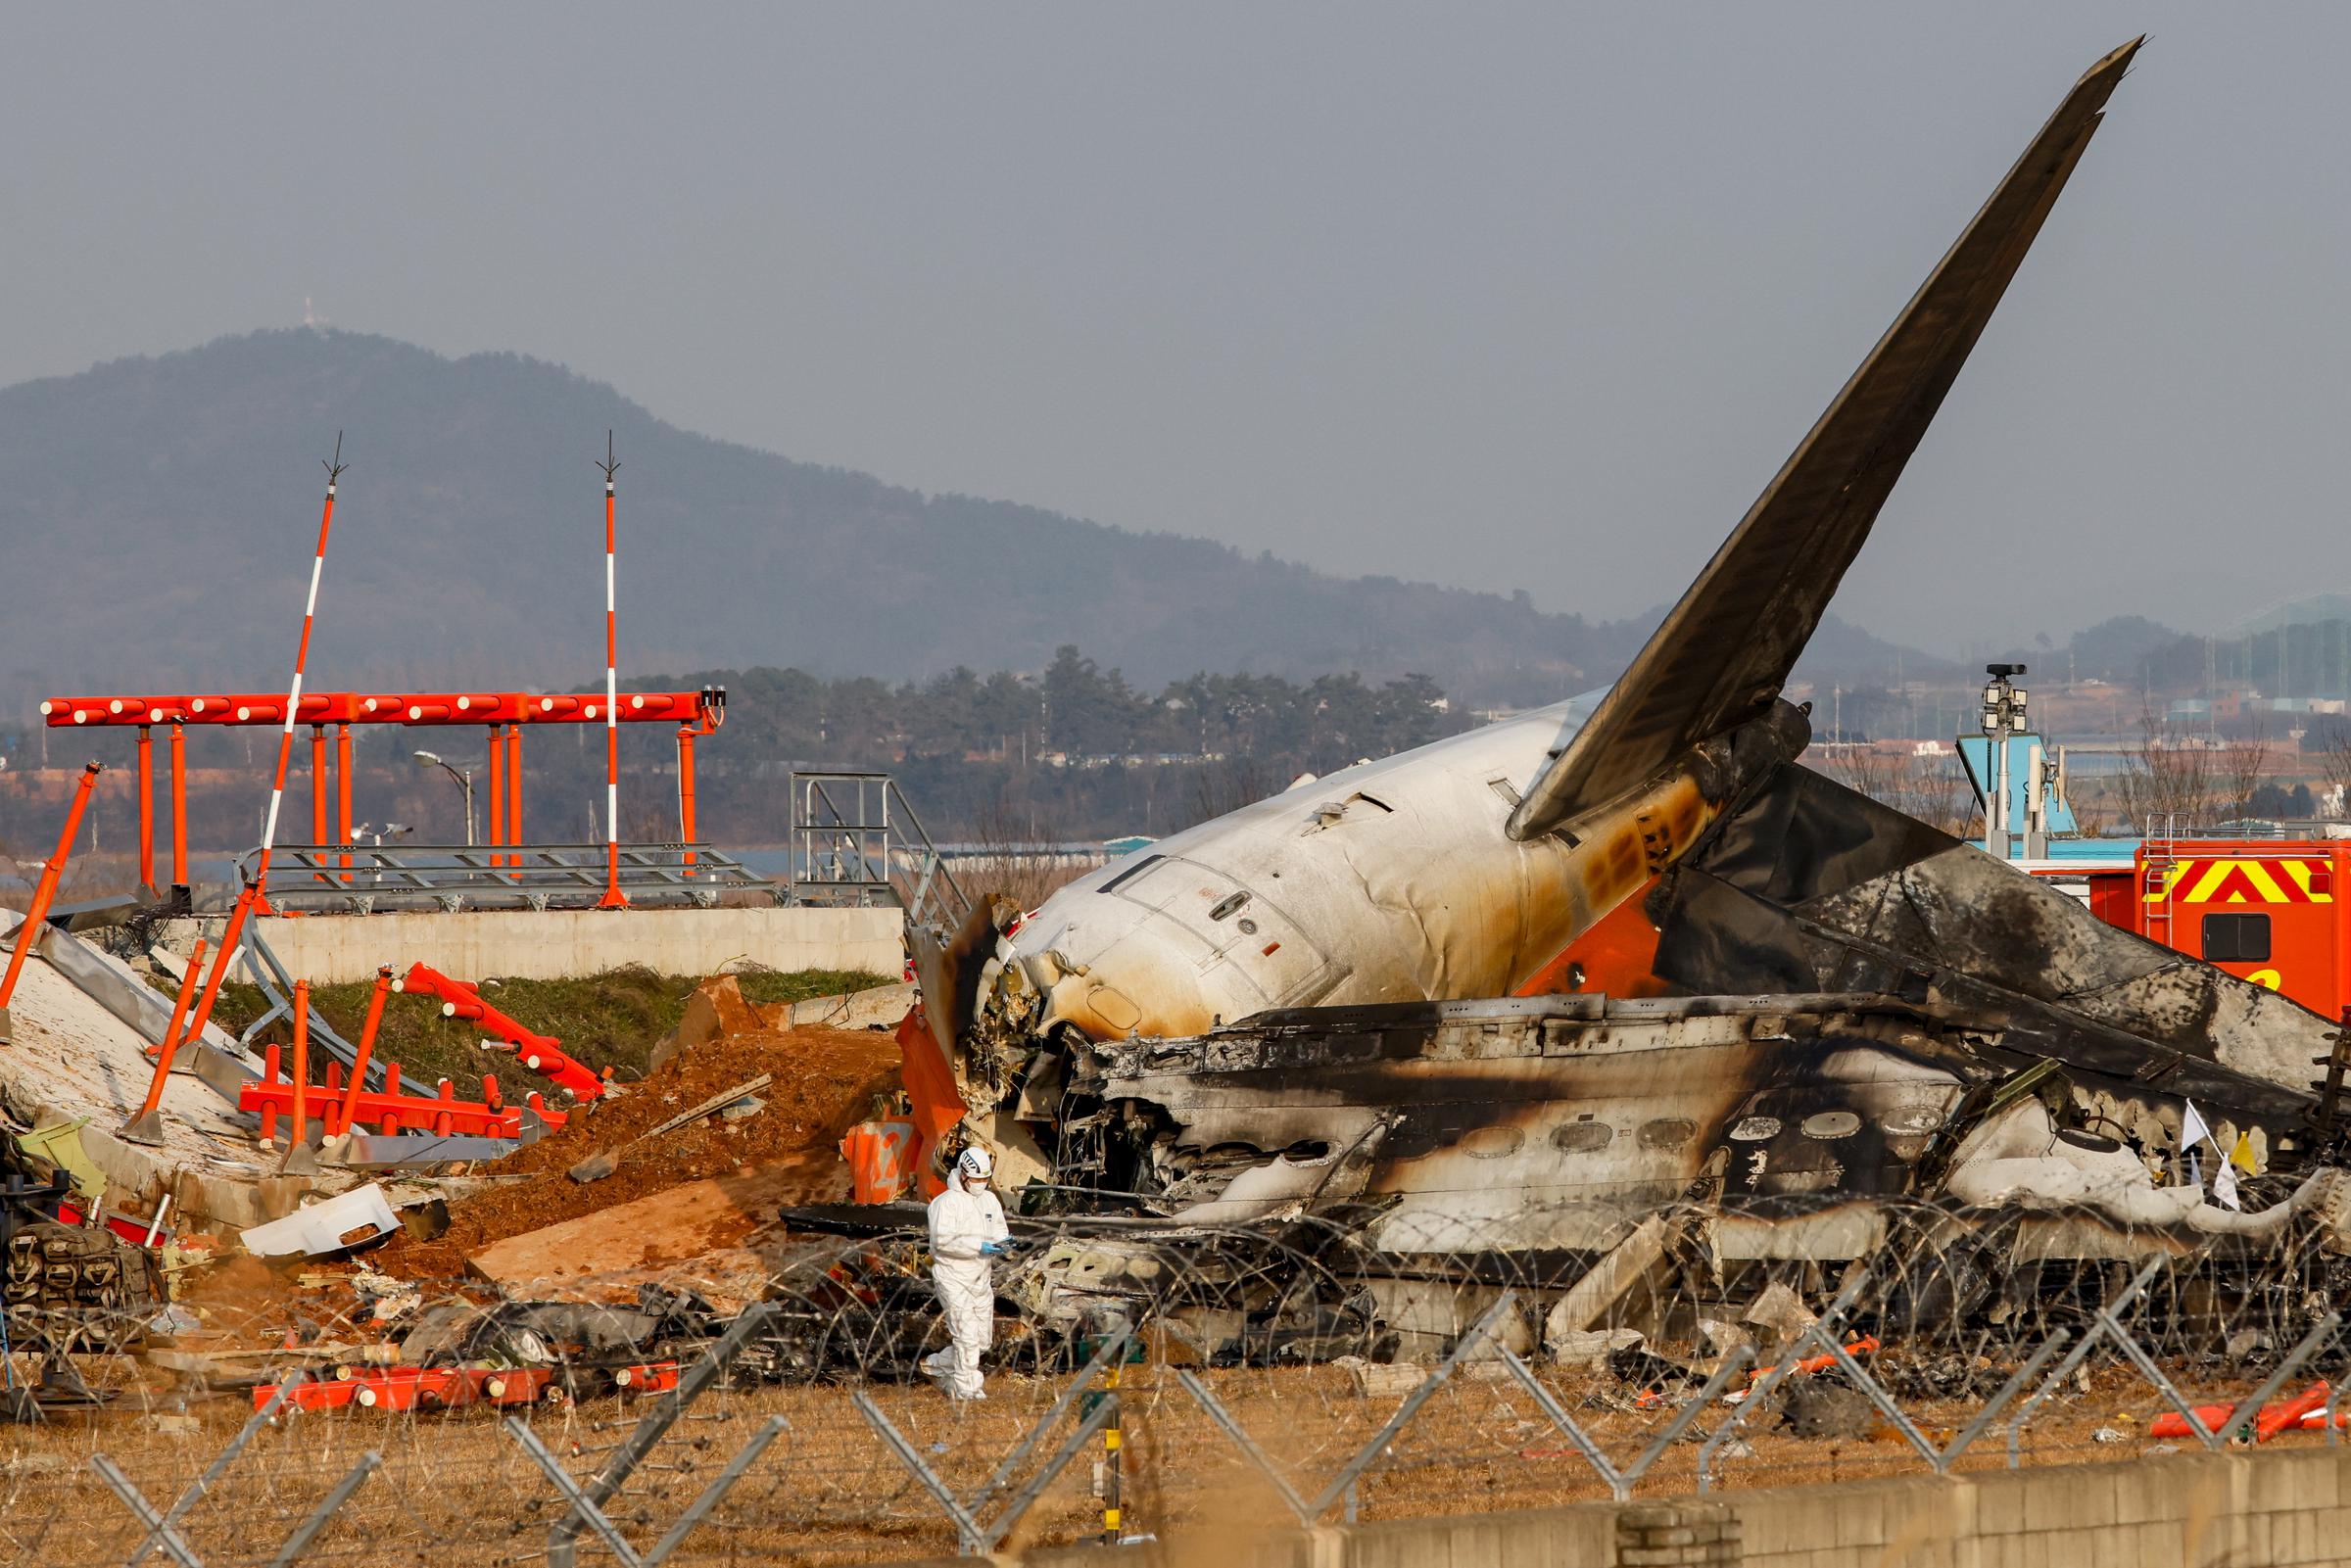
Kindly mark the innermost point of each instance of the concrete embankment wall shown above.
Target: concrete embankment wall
(2276, 1508)
(561, 944)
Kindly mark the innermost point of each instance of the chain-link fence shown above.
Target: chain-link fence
(1152, 1377)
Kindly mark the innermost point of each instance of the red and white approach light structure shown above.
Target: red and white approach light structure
(251, 894)
(613, 897)
(501, 713)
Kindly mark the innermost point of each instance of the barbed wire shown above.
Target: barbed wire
(1265, 1372)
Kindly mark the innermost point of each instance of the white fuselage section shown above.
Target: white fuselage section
(1391, 880)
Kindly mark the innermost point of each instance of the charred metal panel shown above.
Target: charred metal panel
(1540, 1123)
(1816, 886)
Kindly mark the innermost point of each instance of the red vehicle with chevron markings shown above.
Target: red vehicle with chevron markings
(2267, 910)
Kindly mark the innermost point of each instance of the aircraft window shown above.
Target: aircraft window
(1832, 1124)
(1754, 1129)
(1667, 1132)
(1582, 1137)
(1130, 873)
(2237, 938)
(1492, 1143)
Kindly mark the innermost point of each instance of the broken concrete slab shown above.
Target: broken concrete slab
(116, 986)
(715, 1009)
(668, 1233)
(424, 1153)
(877, 1007)
(76, 1061)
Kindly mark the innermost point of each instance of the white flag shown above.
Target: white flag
(2223, 1186)
(2192, 1130)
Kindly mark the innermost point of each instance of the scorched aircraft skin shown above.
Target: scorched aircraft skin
(1305, 1006)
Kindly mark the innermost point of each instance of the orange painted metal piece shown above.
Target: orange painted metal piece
(180, 802)
(378, 707)
(613, 897)
(686, 796)
(343, 792)
(542, 1054)
(2224, 900)
(881, 1160)
(367, 1047)
(1814, 1365)
(388, 1110)
(522, 1385)
(299, 1133)
(646, 1377)
(330, 1395)
(164, 1049)
(2273, 1419)
(146, 789)
(44, 891)
(493, 829)
(1617, 956)
(319, 784)
(514, 787)
(936, 1105)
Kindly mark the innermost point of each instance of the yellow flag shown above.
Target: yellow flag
(2241, 1156)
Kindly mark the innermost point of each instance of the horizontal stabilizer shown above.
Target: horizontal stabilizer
(1724, 652)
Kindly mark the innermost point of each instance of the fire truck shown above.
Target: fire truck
(2263, 909)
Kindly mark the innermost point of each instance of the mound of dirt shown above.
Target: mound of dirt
(825, 1082)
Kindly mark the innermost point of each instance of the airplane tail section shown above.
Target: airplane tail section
(1725, 650)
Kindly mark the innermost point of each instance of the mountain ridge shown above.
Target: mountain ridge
(159, 503)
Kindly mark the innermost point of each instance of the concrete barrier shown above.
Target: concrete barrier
(561, 944)
(2276, 1508)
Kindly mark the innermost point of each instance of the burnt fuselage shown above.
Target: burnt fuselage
(1548, 1124)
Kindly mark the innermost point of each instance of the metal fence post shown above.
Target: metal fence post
(2250, 1410)
(562, 1537)
(308, 1531)
(1621, 1483)
(2009, 1391)
(2074, 1358)
(1776, 1373)
(159, 1526)
(220, 1465)
(967, 1528)
(699, 1508)
(584, 1508)
(1344, 1481)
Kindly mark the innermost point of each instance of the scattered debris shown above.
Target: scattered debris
(332, 1227)
(1819, 1408)
(597, 1167)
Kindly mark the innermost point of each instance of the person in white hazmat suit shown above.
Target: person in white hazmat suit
(967, 1230)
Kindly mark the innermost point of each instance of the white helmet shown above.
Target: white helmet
(973, 1165)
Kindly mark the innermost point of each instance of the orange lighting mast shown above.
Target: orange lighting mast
(613, 897)
(251, 894)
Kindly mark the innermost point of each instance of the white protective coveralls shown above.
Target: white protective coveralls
(961, 1218)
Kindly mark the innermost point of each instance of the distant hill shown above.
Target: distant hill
(158, 516)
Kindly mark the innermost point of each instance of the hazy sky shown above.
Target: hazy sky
(1495, 296)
